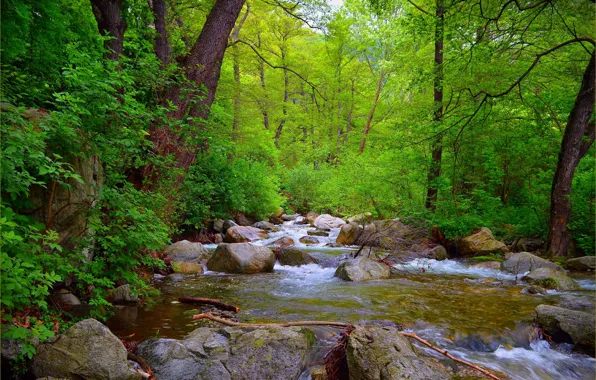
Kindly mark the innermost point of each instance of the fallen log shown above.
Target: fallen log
(209, 301)
(345, 325)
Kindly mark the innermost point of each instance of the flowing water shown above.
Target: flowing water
(480, 315)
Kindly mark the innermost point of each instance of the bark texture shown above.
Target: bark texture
(162, 44)
(110, 23)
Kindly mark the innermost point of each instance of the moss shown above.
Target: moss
(259, 342)
(491, 257)
(310, 337)
(548, 283)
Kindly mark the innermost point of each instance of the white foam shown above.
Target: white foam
(304, 275)
(451, 267)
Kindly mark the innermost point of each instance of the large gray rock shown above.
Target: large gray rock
(349, 233)
(529, 244)
(228, 224)
(550, 279)
(263, 225)
(586, 263)
(65, 298)
(230, 353)
(186, 251)
(363, 218)
(87, 350)
(284, 241)
(386, 234)
(363, 269)
(563, 324)
(382, 353)
(520, 263)
(309, 240)
(311, 217)
(241, 258)
(218, 225)
(244, 234)
(294, 257)
(328, 221)
(124, 295)
(479, 243)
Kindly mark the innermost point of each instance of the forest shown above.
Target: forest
(129, 125)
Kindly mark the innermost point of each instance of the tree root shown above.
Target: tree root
(209, 301)
(344, 325)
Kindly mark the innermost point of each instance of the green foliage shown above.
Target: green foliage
(491, 257)
(548, 283)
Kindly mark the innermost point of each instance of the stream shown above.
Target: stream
(477, 314)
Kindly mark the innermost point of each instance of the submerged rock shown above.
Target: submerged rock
(480, 243)
(349, 233)
(184, 250)
(230, 353)
(586, 263)
(568, 326)
(550, 279)
(264, 225)
(87, 350)
(519, 263)
(380, 353)
(294, 257)
(363, 269)
(241, 258)
(309, 240)
(244, 234)
(318, 232)
(187, 268)
(328, 221)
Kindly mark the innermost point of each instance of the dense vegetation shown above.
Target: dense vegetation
(452, 111)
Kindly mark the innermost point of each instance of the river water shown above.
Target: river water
(480, 315)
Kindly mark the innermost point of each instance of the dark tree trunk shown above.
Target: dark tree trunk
(162, 44)
(371, 113)
(578, 137)
(434, 171)
(110, 23)
(203, 66)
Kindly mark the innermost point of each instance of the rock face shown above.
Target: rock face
(241, 258)
(523, 262)
(380, 353)
(480, 243)
(87, 350)
(567, 325)
(586, 263)
(386, 234)
(187, 251)
(363, 218)
(264, 225)
(550, 279)
(295, 257)
(309, 240)
(244, 234)
(124, 295)
(349, 233)
(230, 353)
(285, 241)
(328, 221)
(363, 269)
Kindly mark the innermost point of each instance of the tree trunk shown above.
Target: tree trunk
(110, 23)
(434, 171)
(236, 65)
(371, 113)
(203, 66)
(578, 137)
(162, 44)
(263, 103)
(286, 98)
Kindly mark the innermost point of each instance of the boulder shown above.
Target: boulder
(318, 232)
(387, 234)
(230, 353)
(328, 221)
(87, 350)
(487, 265)
(218, 238)
(244, 234)
(242, 219)
(363, 218)
(285, 241)
(349, 233)
(124, 295)
(586, 263)
(218, 225)
(309, 240)
(578, 302)
(66, 298)
(228, 224)
(363, 269)
(534, 289)
(187, 268)
(550, 279)
(266, 226)
(568, 326)
(186, 251)
(241, 258)
(480, 243)
(294, 257)
(529, 244)
(381, 352)
(426, 250)
(287, 218)
(520, 263)
(300, 220)
(310, 217)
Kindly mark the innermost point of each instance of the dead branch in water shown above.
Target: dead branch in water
(341, 324)
(209, 301)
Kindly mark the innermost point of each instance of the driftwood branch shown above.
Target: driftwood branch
(209, 301)
(345, 325)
